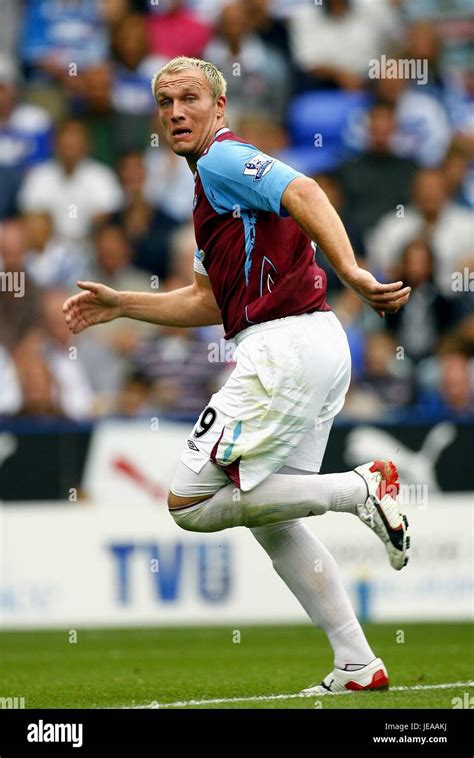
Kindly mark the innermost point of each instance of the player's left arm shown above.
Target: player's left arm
(309, 206)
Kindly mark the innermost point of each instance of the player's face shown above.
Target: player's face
(189, 117)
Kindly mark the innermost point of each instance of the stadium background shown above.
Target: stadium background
(91, 425)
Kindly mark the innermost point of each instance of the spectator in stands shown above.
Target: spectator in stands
(446, 226)
(25, 129)
(49, 261)
(423, 43)
(113, 261)
(428, 314)
(376, 181)
(25, 136)
(257, 75)
(147, 228)
(107, 131)
(334, 42)
(115, 126)
(169, 182)
(108, 355)
(56, 34)
(19, 297)
(458, 169)
(271, 29)
(460, 105)
(453, 17)
(135, 398)
(422, 132)
(456, 388)
(38, 389)
(386, 382)
(452, 390)
(114, 11)
(76, 190)
(39, 395)
(64, 360)
(262, 130)
(175, 30)
(134, 68)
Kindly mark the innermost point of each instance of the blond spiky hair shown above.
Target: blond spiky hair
(215, 78)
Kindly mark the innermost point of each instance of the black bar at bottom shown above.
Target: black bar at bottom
(221, 732)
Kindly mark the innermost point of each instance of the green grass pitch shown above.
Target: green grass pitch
(136, 667)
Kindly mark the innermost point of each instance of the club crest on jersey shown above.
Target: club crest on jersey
(195, 200)
(258, 166)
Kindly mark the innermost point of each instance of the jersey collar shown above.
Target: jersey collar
(220, 131)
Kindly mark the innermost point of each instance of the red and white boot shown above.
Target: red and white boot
(381, 513)
(371, 677)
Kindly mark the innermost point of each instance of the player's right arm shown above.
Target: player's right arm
(194, 305)
(235, 175)
(309, 206)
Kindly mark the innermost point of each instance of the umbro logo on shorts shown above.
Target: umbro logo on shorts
(192, 445)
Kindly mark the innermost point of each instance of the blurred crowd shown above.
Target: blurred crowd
(89, 190)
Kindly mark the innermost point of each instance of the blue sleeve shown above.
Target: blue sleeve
(235, 174)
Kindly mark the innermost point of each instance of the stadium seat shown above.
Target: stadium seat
(311, 160)
(322, 112)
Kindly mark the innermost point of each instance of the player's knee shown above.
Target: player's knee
(190, 519)
(185, 523)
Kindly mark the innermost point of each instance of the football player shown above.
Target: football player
(254, 454)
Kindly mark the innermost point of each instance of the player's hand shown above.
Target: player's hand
(383, 298)
(97, 305)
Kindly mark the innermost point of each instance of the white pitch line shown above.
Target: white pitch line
(259, 698)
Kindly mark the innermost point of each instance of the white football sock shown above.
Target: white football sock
(310, 572)
(280, 497)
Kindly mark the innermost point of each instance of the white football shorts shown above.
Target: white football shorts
(276, 408)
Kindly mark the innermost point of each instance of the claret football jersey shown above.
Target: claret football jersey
(260, 264)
